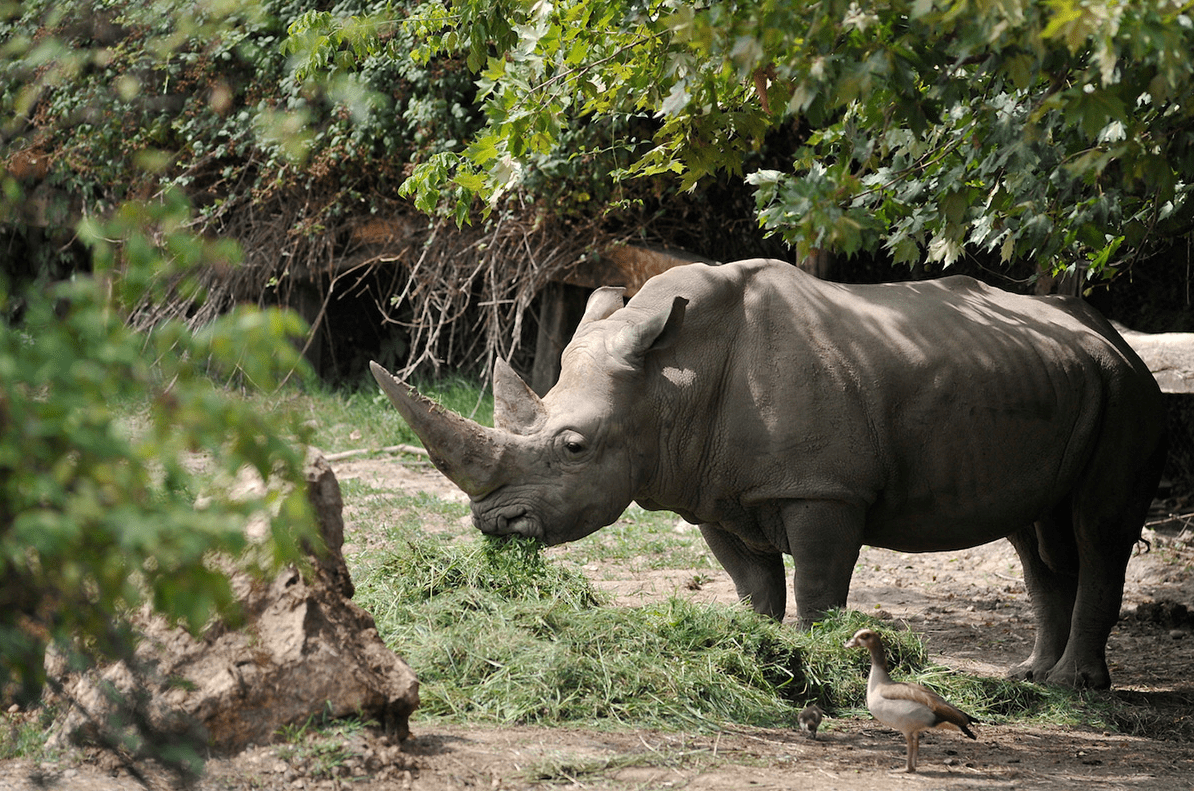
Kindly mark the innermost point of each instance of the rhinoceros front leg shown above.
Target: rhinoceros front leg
(824, 537)
(758, 575)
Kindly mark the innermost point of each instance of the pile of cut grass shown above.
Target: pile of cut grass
(496, 633)
(499, 634)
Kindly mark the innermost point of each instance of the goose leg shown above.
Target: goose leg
(913, 749)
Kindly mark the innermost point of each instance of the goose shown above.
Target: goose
(909, 708)
(810, 719)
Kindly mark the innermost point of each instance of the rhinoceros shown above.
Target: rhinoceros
(788, 415)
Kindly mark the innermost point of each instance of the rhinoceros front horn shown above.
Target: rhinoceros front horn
(467, 452)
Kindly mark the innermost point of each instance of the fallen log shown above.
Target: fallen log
(1169, 355)
(348, 454)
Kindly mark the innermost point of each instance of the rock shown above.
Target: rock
(305, 649)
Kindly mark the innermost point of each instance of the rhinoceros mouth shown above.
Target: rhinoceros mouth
(509, 521)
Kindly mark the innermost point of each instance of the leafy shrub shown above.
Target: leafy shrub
(107, 437)
(120, 99)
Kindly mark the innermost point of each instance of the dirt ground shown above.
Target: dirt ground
(972, 610)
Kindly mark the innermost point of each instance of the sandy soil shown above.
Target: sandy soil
(969, 605)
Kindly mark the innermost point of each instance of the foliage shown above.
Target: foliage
(189, 89)
(108, 100)
(117, 99)
(101, 433)
(1051, 130)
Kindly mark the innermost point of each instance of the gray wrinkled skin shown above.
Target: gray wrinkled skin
(787, 415)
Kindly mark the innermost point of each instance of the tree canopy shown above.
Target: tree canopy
(1052, 130)
(103, 101)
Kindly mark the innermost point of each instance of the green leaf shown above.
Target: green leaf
(473, 182)
(906, 251)
(484, 150)
(954, 206)
(1099, 261)
(1092, 109)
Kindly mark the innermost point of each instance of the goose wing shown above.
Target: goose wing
(944, 712)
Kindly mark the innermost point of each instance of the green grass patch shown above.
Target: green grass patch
(499, 634)
(364, 418)
(405, 517)
(23, 734)
(641, 539)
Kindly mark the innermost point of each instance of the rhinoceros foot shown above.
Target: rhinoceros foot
(1065, 673)
(1071, 674)
(1031, 669)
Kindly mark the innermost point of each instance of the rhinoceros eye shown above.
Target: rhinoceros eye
(574, 444)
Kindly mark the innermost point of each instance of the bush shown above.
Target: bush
(107, 437)
(122, 98)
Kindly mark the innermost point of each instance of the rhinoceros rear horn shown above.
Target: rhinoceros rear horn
(516, 408)
(468, 453)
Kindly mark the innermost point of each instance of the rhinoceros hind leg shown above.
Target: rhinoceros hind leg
(1110, 504)
(1111, 508)
(1094, 675)
(758, 576)
(1052, 588)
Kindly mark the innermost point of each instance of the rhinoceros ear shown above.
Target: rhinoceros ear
(516, 408)
(657, 332)
(602, 303)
